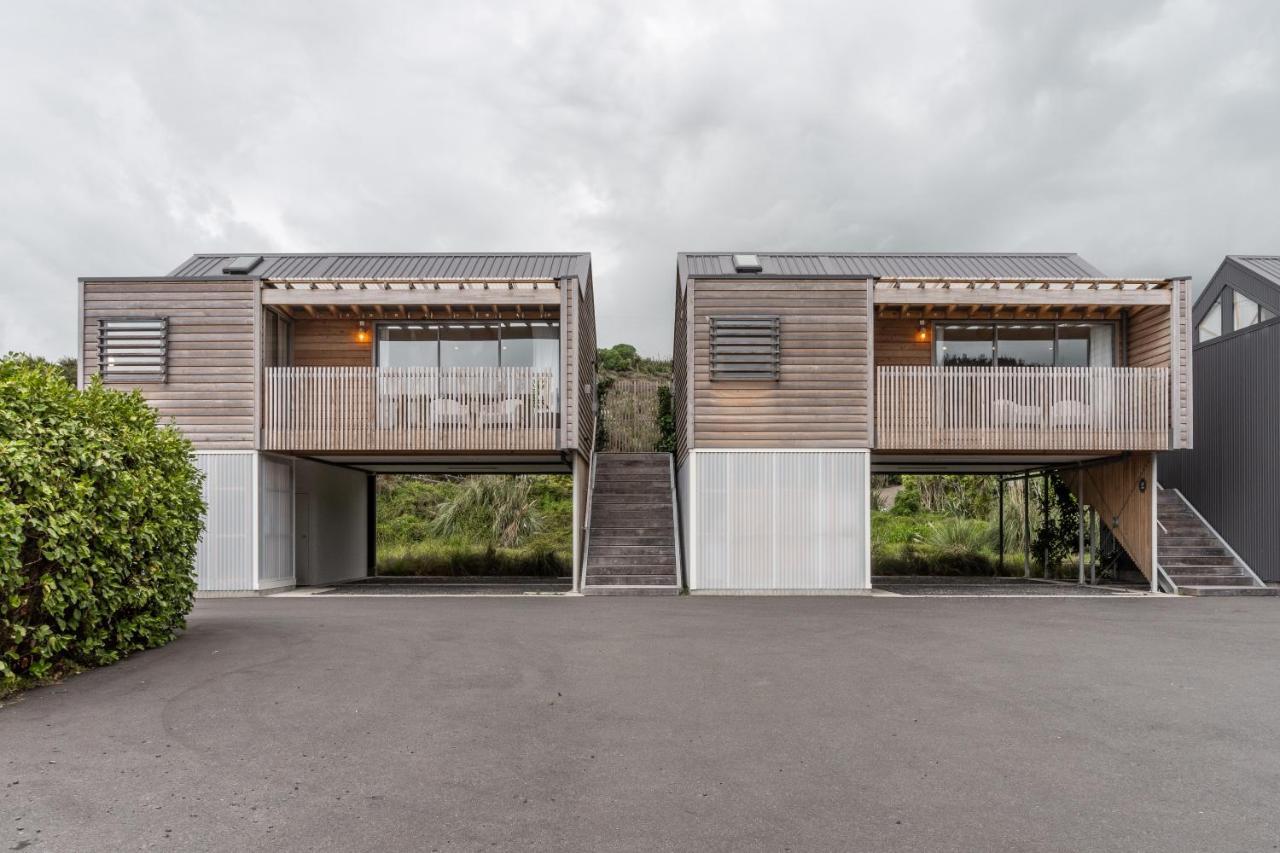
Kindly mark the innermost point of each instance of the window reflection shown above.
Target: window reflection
(1024, 344)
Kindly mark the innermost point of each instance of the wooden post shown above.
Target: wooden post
(1095, 533)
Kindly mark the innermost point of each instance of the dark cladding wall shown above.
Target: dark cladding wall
(1233, 474)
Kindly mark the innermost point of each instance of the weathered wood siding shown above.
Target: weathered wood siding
(1160, 336)
(896, 344)
(331, 343)
(1113, 490)
(822, 397)
(211, 383)
(681, 369)
(585, 327)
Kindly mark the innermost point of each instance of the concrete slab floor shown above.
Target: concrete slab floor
(722, 724)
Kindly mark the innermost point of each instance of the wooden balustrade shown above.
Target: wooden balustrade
(409, 408)
(1022, 408)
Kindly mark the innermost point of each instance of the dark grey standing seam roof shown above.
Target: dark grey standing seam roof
(420, 266)
(1267, 266)
(974, 265)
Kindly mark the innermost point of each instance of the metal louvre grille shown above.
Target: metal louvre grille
(133, 348)
(745, 347)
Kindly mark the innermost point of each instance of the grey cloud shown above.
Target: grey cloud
(1139, 134)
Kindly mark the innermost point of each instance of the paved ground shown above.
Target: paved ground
(723, 724)
(449, 586)
(919, 585)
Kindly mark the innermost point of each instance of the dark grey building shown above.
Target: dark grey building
(1232, 477)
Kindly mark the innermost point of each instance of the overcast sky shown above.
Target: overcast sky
(1143, 135)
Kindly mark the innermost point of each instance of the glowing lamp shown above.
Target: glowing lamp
(922, 332)
(362, 334)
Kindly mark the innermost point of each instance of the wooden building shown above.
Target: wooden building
(299, 377)
(797, 375)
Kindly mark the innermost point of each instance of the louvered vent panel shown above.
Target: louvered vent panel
(133, 348)
(745, 348)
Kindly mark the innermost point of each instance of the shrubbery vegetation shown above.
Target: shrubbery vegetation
(100, 512)
(482, 525)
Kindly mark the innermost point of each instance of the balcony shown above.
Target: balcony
(1022, 408)
(410, 409)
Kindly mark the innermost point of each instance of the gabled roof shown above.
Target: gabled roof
(427, 266)
(1267, 266)
(1256, 276)
(976, 265)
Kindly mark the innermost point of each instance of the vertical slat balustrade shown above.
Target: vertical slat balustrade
(1022, 408)
(409, 409)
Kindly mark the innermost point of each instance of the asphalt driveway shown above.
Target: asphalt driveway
(726, 724)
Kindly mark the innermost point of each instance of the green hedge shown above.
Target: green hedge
(100, 511)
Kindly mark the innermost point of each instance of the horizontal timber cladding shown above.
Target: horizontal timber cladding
(896, 343)
(331, 343)
(680, 372)
(585, 372)
(209, 384)
(225, 553)
(821, 397)
(1159, 336)
(779, 521)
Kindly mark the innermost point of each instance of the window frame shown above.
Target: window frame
(378, 325)
(1116, 348)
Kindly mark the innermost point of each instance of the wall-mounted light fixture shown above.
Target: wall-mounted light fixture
(922, 332)
(362, 334)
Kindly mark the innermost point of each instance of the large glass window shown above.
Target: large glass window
(516, 344)
(408, 345)
(1245, 311)
(1211, 325)
(1085, 345)
(531, 345)
(1024, 344)
(469, 346)
(968, 345)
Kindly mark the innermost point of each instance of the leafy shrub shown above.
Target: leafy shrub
(100, 512)
(499, 508)
(956, 537)
(666, 420)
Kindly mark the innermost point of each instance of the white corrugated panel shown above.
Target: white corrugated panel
(780, 520)
(276, 523)
(224, 557)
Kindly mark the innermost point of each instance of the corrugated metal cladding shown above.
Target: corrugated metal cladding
(224, 557)
(424, 266)
(777, 521)
(1267, 266)
(1232, 476)
(860, 264)
(275, 566)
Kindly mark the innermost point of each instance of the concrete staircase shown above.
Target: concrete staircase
(1195, 558)
(631, 540)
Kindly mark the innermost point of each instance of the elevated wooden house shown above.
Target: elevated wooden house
(299, 377)
(797, 375)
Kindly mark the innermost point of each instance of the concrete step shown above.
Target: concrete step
(1202, 570)
(631, 590)
(1227, 590)
(667, 562)
(600, 550)
(629, 542)
(1199, 579)
(1171, 560)
(632, 579)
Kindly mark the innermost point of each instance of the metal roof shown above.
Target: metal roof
(429, 267)
(973, 265)
(1267, 266)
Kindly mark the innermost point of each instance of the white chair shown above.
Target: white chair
(1070, 414)
(1007, 413)
(446, 412)
(505, 413)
